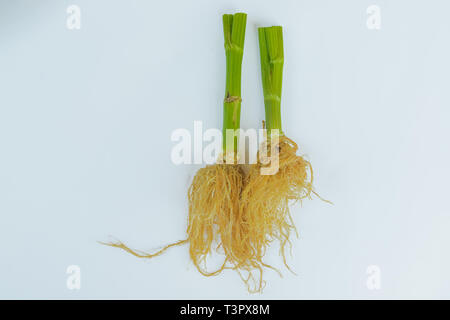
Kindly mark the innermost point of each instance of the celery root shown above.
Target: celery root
(265, 199)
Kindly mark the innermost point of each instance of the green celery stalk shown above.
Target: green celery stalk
(272, 59)
(234, 34)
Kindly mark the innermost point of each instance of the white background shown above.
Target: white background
(85, 123)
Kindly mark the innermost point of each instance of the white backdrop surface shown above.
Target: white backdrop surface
(86, 118)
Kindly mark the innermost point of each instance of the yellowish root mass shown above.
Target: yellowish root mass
(243, 215)
(214, 218)
(266, 198)
(239, 216)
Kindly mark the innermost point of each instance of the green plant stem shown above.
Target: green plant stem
(272, 59)
(234, 34)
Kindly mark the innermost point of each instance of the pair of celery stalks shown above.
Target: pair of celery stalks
(242, 213)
